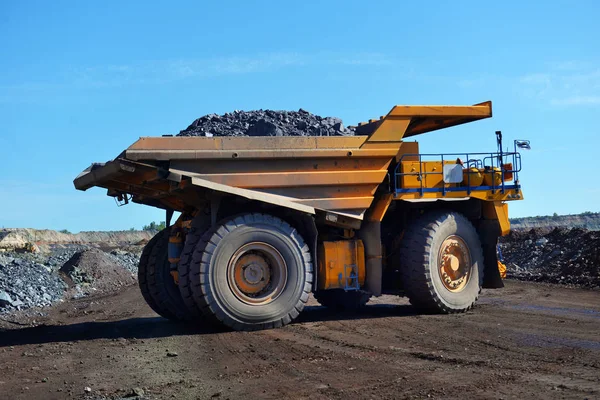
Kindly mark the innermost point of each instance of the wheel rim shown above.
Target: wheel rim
(454, 263)
(257, 273)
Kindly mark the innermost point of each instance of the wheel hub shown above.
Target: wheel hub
(454, 263)
(252, 273)
(257, 273)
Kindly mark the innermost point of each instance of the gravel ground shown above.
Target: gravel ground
(267, 123)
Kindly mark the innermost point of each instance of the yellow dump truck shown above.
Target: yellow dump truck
(265, 221)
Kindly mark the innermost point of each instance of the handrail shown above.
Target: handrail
(487, 161)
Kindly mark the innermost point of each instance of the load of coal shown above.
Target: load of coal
(267, 123)
(566, 256)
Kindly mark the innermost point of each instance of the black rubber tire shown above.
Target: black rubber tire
(161, 284)
(209, 272)
(143, 277)
(200, 224)
(338, 299)
(418, 257)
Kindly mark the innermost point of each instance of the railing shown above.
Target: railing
(485, 161)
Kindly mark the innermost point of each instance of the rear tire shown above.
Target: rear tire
(200, 224)
(252, 272)
(339, 299)
(143, 277)
(441, 263)
(161, 284)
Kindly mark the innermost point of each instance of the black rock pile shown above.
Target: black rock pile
(568, 256)
(267, 123)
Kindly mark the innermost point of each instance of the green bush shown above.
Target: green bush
(153, 226)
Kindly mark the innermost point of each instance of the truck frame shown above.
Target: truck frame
(265, 221)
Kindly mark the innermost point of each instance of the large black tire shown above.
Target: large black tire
(162, 286)
(280, 251)
(421, 263)
(338, 299)
(143, 277)
(200, 224)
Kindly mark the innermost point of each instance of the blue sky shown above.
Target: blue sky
(82, 80)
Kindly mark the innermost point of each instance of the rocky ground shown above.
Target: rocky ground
(73, 325)
(43, 278)
(526, 341)
(49, 241)
(267, 123)
(566, 256)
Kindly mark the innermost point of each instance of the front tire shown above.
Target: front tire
(252, 272)
(441, 263)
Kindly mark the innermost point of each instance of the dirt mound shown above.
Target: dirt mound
(267, 123)
(570, 256)
(12, 239)
(527, 341)
(94, 270)
(586, 220)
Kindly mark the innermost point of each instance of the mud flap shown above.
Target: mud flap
(489, 230)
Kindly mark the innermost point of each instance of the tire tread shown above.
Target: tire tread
(414, 255)
(199, 270)
(144, 277)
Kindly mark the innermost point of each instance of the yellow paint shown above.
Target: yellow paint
(502, 270)
(342, 203)
(407, 148)
(380, 207)
(340, 257)
(485, 195)
(481, 110)
(405, 121)
(492, 177)
(499, 211)
(335, 174)
(295, 179)
(472, 177)
(431, 172)
(390, 130)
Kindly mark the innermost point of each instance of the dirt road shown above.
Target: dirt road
(526, 341)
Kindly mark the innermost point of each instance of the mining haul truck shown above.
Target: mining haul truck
(266, 221)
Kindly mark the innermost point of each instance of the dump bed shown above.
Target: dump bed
(339, 175)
